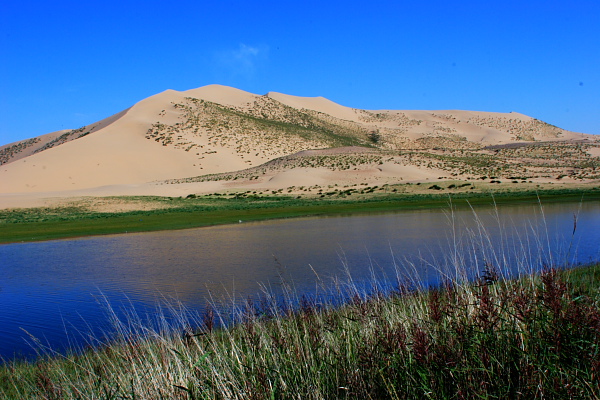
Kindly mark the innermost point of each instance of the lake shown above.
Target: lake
(54, 293)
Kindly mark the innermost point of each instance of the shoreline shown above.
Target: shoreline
(42, 224)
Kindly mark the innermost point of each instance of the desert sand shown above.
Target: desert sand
(173, 144)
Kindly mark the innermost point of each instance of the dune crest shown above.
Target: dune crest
(319, 104)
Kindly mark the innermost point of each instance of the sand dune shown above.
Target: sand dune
(221, 130)
(319, 104)
(222, 95)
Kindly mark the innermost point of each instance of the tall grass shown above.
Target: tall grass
(494, 336)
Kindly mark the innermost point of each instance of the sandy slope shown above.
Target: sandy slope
(298, 177)
(319, 104)
(116, 153)
(222, 95)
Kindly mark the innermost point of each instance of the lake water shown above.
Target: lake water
(55, 291)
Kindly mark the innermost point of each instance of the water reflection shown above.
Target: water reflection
(48, 287)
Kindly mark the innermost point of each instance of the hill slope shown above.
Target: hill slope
(225, 135)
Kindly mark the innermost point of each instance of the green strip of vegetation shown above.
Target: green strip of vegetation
(534, 337)
(55, 223)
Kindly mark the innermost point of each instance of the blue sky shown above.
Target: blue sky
(66, 64)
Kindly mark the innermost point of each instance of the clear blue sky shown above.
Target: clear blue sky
(65, 64)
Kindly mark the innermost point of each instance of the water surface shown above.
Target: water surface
(53, 291)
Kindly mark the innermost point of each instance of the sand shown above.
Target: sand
(116, 157)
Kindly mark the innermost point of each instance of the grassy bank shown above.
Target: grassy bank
(181, 213)
(534, 337)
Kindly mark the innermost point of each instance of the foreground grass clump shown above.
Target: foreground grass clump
(534, 337)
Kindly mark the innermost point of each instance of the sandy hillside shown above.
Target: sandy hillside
(220, 138)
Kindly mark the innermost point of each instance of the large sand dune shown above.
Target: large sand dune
(186, 136)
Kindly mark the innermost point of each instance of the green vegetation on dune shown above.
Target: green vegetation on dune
(179, 213)
(247, 130)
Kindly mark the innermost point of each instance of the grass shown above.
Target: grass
(44, 224)
(537, 336)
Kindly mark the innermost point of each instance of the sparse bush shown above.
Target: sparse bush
(374, 136)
